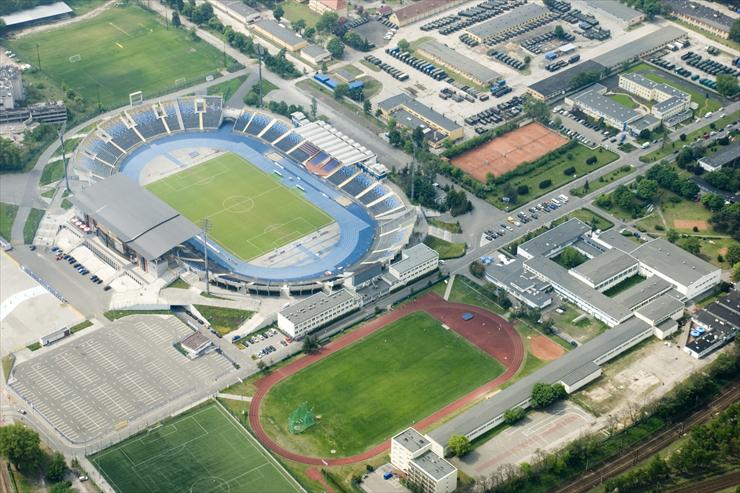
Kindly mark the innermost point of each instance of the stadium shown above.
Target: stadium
(278, 204)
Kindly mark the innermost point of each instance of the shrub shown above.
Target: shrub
(545, 183)
(569, 171)
(522, 190)
(592, 160)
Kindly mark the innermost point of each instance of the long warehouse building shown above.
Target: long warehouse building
(421, 10)
(520, 16)
(458, 63)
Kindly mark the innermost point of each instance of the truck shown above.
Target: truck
(574, 58)
(645, 145)
(551, 55)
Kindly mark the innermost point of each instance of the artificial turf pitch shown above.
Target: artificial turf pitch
(251, 212)
(201, 451)
(122, 50)
(378, 386)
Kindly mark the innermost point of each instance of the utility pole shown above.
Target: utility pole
(64, 156)
(224, 52)
(38, 55)
(258, 49)
(206, 225)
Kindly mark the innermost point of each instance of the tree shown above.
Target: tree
(645, 134)
(559, 32)
(682, 137)
(712, 201)
(735, 276)
(262, 366)
(10, 156)
(309, 32)
(514, 415)
(417, 136)
(728, 85)
(457, 202)
(403, 45)
(647, 189)
(544, 395)
(340, 91)
(570, 257)
(692, 245)
(735, 31)
(584, 79)
(537, 110)
(733, 254)
(62, 487)
(477, 269)
(310, 344)
(314, 107)
(459, 445)
(367, 106)
(335, 47)
(299, 25)
(328, 22)
(2, 28)
(727, 220)
(672, 235)
(176, 19)
(586, 186)
(56, 468)
(20, 445)
(278, 12)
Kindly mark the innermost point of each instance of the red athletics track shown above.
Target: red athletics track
(491, 333)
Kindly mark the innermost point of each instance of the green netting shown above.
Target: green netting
(301, 419)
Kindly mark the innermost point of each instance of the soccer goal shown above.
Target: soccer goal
(180, 82)
(75, 58)
(301, 419)
(136, 98)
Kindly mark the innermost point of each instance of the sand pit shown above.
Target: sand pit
(690, 224)
(545, 349)
(505, 153)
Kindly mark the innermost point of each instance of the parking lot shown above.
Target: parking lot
(270, 345)
(523, 217)
(100, 382)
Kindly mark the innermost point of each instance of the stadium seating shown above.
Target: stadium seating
(406, 219)
(390, 240)
(242, 121)
(358, 184)
(187, 111)
(342, 175)
(107, 152)
(172, 121)
(147, 123)
(289, 141)
(275, 132)
(214, 112)
(124, 137)
(304, 152)
(95, 167)
(385, 206)
(330, 166)
(258, 124)
(374, 194)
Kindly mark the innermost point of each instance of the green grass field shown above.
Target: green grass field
(624, 100)
(132, 51)
(203, 450)
(251, 212)
(376, 387)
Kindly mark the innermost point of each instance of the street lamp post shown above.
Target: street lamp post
(64, 157)
(206, 226)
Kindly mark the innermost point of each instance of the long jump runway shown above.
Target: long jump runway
(488, 331)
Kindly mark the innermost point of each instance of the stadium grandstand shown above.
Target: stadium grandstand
(319, 153)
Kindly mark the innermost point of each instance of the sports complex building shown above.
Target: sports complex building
(334, 216)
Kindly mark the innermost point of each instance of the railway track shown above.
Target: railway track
(709, 485)
(634, 455)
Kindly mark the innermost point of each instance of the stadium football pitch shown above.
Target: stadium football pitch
(251, 212)
(366, 392)
(120, 51)
(201, 451)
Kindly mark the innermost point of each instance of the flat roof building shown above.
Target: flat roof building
(411, 453)
(643, 46)
(606, 270)
(422, 9)
(279, 35)
(315, 55)
(595, 104)
(715, 326)
(619, 11)
(195, 344)
(316, 311)
(237, 10)
(669, 100)
(727, 156)
(422, 116)
(458, 63)
(524, 286)
(415, 262)
(321, 6)
(37, 15)
(561, 83)
(515, 18)
(707, 18)
(552, 241)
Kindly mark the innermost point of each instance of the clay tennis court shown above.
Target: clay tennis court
(503, 154)
(491, 333)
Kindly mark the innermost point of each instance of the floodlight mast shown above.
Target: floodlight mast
(206, 226)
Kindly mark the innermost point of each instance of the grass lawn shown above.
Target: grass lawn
(685, 210)
(83, 6)
(711, 248)
(8, 365)
(602, 181)
(49, 193)
(587, 215)
(624, 285)
(66, 204)
(132, 51)
(554, 171)
(445, 248)
(294, 11)
(52, 172)
(204, 449)
(451, 227)
(624, 100)
(224, 320)
(116, 314)
(369, 65)
(32, 225)
(7, 218)
(251, 212)
(577, 258)
(80, 326)
(466, 291)
(179, 284)
(582, 330)
(627, 147)
(227, 88)
(367, 392)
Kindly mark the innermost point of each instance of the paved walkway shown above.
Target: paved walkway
(507, 348)
(234, 397)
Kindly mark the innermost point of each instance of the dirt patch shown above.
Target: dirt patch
(545, 349)
(505, 153)
(723, 251)
(690, 224)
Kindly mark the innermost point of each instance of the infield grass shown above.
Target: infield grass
(201, 451)
(376, 387)
(121, 50)
(251, 212)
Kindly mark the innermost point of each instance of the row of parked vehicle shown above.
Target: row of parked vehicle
(387, 23)
(438, 23)
(559, 6)
(597, 33)
(535, 44)
(78, 266)
(479, 13)
(507, 59)
(496, 114)
(385, 67)
(419, 64)
(469, 40)
(711, 67)
(357, 22)
(530, 26)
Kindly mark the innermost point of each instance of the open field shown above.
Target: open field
(227, 88)
(7, 218)
(445, 248)
(356, 391)
(602, 181)
(203, 450)
(576, 323)
(295, 10)
(588, 216)
(123, 58)
(505, 153)
(250, 211)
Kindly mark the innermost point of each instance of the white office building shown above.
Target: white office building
(669, 100)
(316, 311)
(411, 453)
(415, 262)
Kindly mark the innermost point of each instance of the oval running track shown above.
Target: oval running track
(488, 331)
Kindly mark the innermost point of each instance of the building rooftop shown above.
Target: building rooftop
(580, 373)
(412, 105)
(284, 34)
(703, 13)
(135, 215)
(660, 308)
(673, 261)
(556, 237)
(650, 84)
(314, 305)
(411, 257)
(641, 292)
(411, 440)
(645, 44)
(725, 155)
(645, 121)
(617, 9)
(722, 312)
(605, 266)
(560, 82)
(416, 9)
(240, 8)
(367, 272)
(593, 98)
(195, 341)
(459, 61)
(36, 14)
(315, 51)
(526, 284)
(434, 465)
(335, 143)
(515, 17)
(484, 412)
(615, 239)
